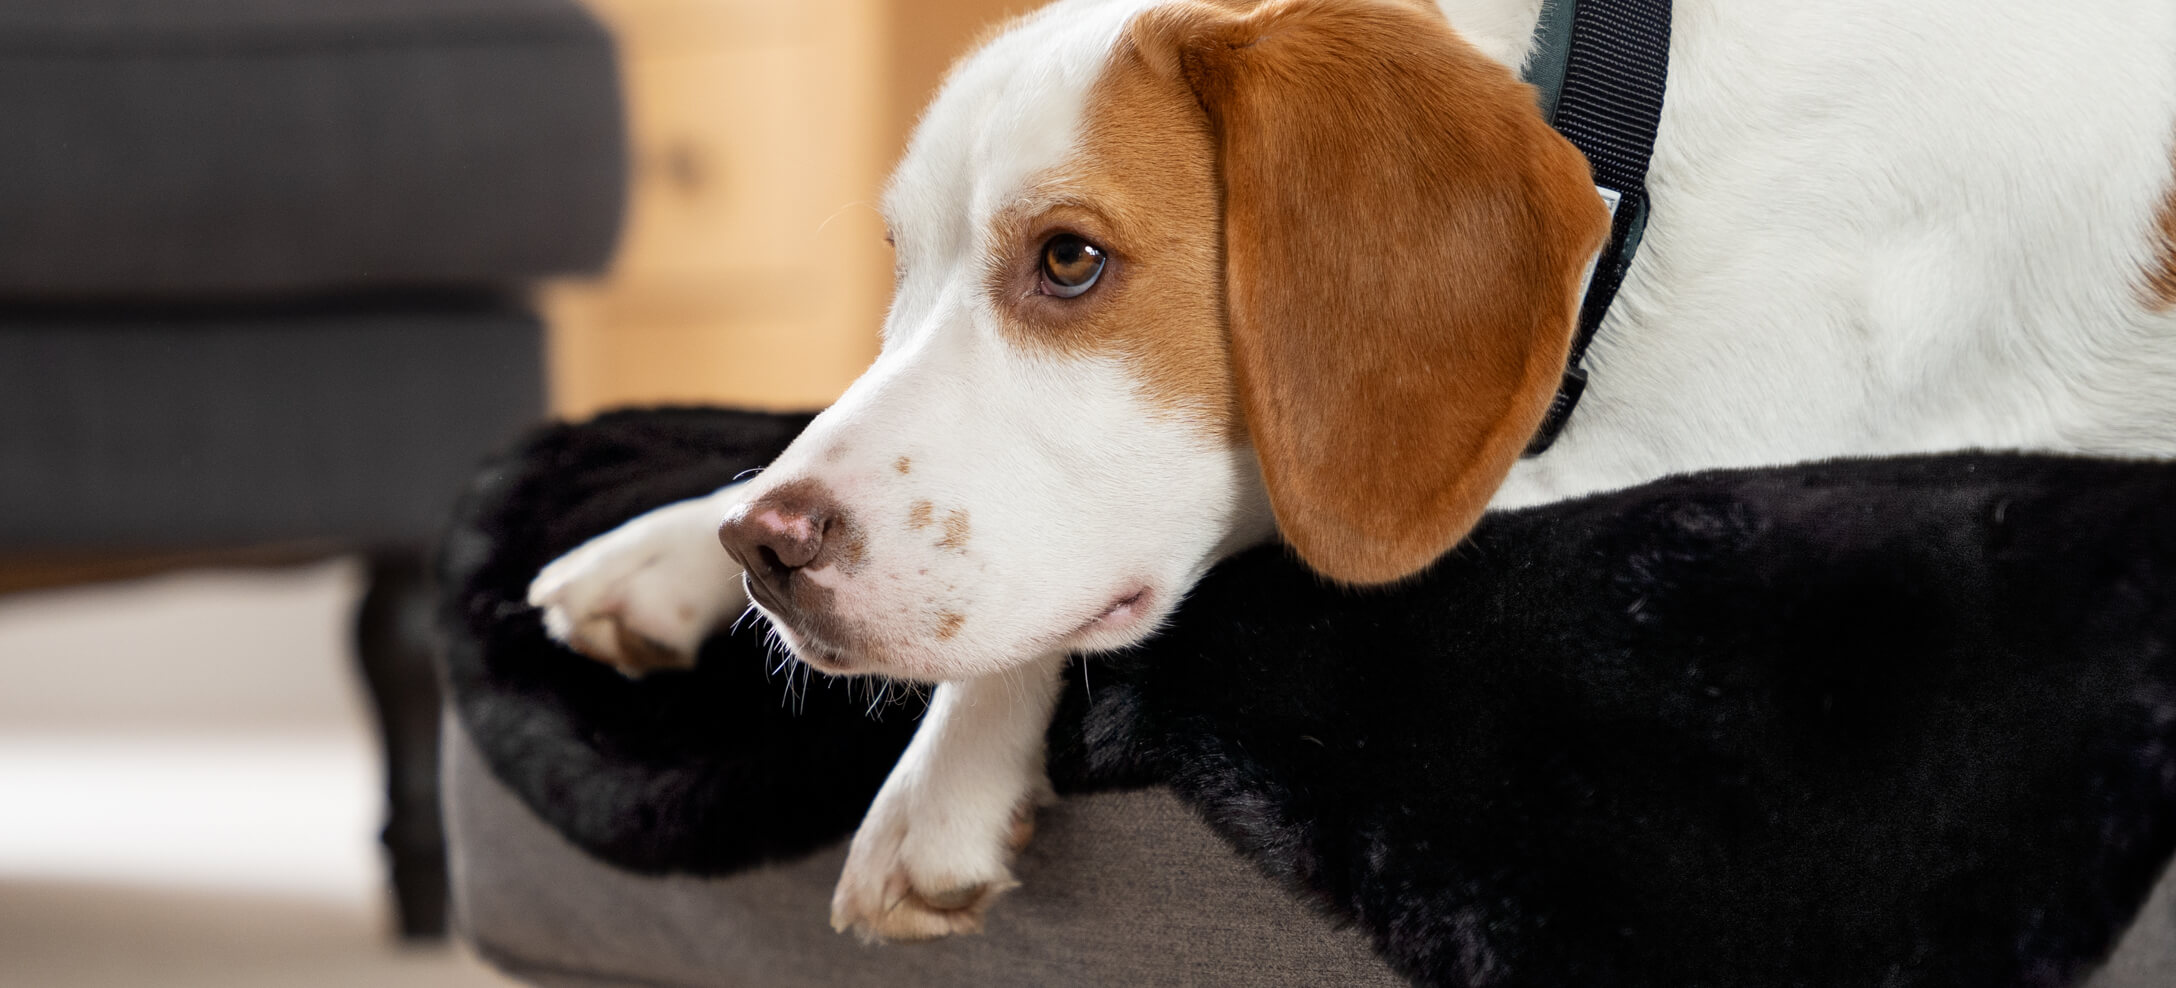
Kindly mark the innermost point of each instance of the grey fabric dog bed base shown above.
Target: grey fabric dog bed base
(1118, 889)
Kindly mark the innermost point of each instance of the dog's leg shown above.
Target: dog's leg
(644, 595)
(937, 844)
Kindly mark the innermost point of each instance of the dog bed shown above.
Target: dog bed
(1886, 722)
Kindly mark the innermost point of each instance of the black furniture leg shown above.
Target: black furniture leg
(396, 645)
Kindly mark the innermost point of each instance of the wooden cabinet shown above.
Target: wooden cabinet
(752, 270)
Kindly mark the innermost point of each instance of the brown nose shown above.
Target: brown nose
(781, 532)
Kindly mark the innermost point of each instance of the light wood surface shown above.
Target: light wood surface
(752, 270)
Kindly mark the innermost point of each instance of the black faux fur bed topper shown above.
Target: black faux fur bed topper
(1907, 722)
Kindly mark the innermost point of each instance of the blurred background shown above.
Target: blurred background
(275, 277)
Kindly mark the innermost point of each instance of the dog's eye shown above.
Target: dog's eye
(1070, 265)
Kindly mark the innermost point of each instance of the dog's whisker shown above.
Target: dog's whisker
(785, 696)
(774, 646)
(843, 210)
(1017, 685)
(880, 695)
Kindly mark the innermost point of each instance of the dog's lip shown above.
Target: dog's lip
(1129, 602)
(810, 648)
(1126, 607)
(827, 662)
(761, 593)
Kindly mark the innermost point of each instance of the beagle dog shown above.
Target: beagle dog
(1180, 276)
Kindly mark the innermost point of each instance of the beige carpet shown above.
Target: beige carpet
(189, 790)
(83, 936)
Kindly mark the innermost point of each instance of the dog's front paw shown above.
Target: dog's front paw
(642, 596)
(918, 875)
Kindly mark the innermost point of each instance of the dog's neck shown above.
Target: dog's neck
(1502, 29)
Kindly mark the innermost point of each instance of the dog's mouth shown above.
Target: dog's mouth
(1124, 614)
(1125, 608)
(828, 663)
(824, 644)
(818, 654)
(802, 634)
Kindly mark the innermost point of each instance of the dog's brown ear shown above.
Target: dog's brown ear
(1404, 242)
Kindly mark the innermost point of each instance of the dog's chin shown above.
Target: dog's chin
(1124, 619)
(819, 655)
(908, 664)
(838, 660)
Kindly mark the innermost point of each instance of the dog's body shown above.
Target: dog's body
(1331, 260)
(1886, 228)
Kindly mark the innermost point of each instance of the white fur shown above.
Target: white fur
(1878, 227)
(1009, 438)
(943, 823)
(1885, 228)
(656, 575)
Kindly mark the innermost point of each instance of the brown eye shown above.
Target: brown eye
(1070, 265)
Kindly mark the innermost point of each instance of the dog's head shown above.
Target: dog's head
(1171, 275)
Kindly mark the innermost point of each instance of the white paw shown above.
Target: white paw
(917, 872)
(643, 596)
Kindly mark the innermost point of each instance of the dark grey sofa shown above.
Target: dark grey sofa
(263, 276)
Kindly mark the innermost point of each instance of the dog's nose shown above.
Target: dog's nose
(781, 532)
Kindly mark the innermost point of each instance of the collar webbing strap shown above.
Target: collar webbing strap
(1600, 67)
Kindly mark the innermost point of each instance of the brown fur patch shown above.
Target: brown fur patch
(1144, 189)
(2161, 277)
(956, 531)
(1339, 231)
(853, 548)
(921, 515)
(903, 465)
(948, 625)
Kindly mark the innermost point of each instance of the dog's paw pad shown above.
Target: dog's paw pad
(910, 914)
(893, 889)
